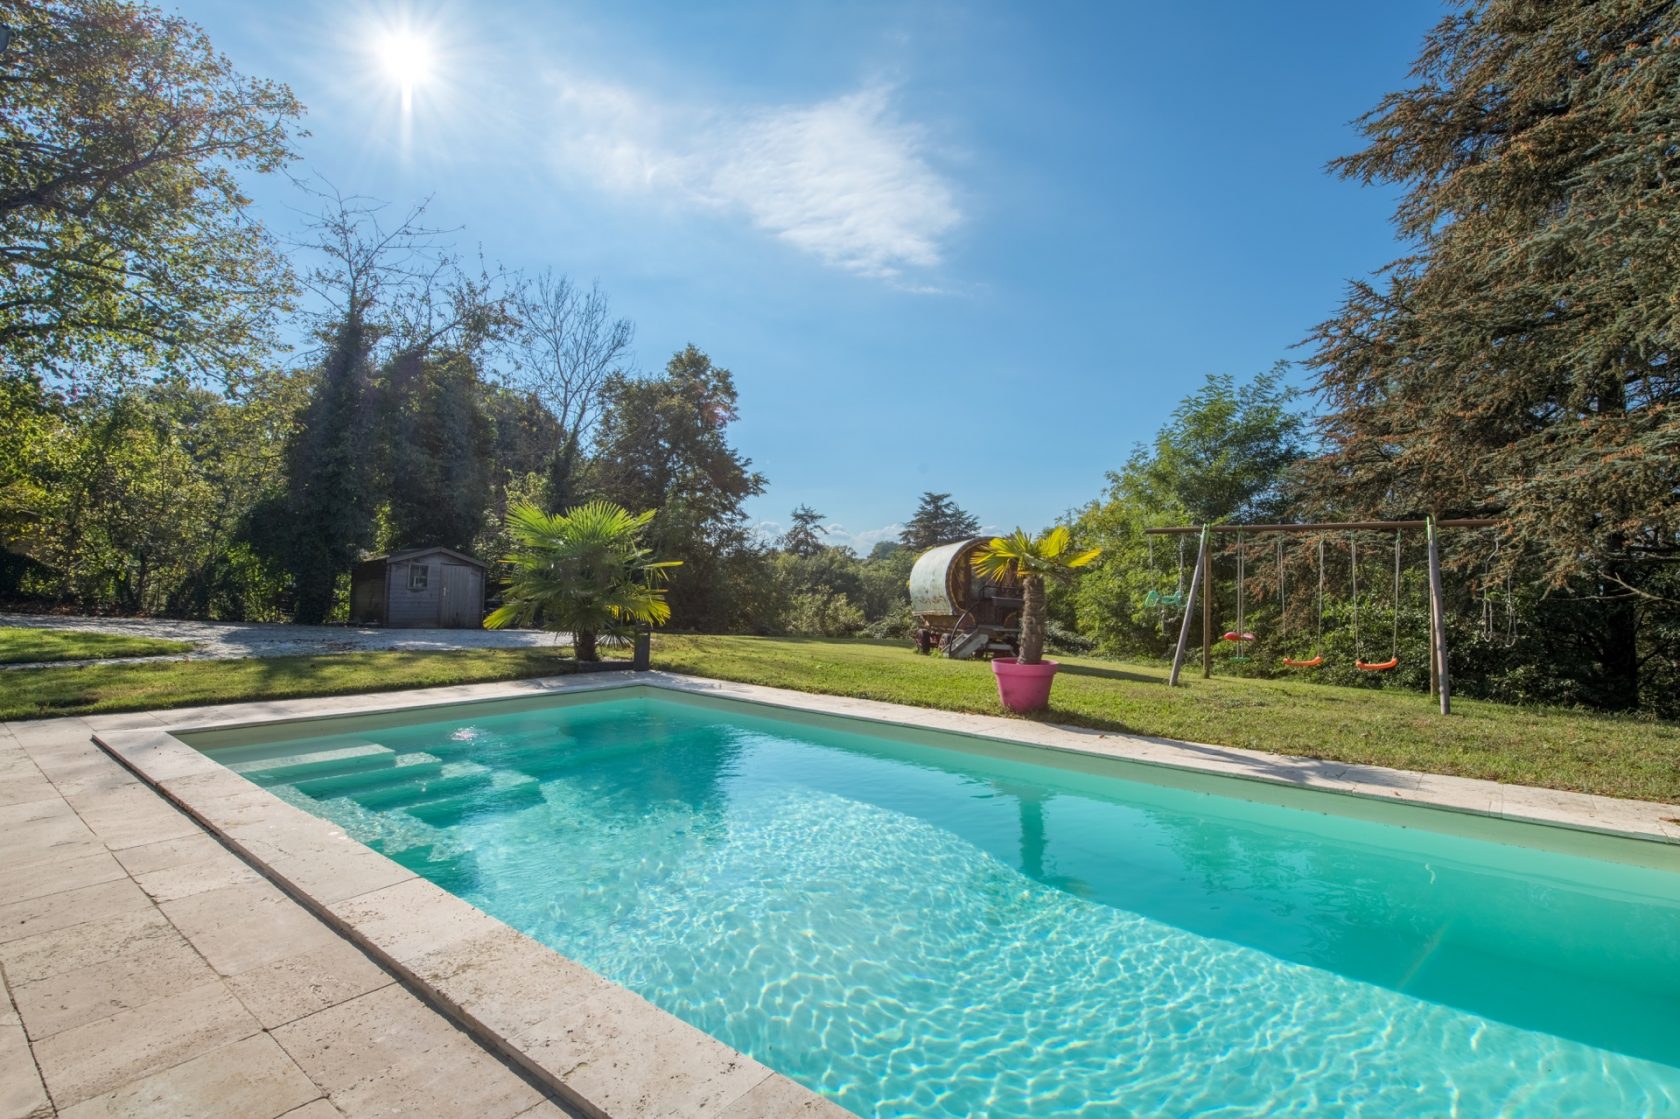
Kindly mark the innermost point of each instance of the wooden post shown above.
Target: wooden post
(1207, 603)
(1189, 612)
(1437, 621)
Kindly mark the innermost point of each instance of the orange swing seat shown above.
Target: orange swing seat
(1379, 666)
(1314, 663)
(1233, 635)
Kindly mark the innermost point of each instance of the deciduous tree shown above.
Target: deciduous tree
(125, 241)
(663, 444)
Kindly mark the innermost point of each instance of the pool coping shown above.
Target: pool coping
(603, 1049)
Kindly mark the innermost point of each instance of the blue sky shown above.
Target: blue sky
(966, 247)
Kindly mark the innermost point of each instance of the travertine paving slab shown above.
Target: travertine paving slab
(414, 918)
(25, 788)
(187, 879)
(22, 1095)
(301, 984)
(780, 1098)
(506, 981)
(167, 853)
(241, 927)
(324, 863)
(627, 1057)
(69, 866)
(136, 929)
(161, 756)
(131, 816)
(318, 1109)
(56, 839)
(388, 1053)
(91, 1060)
(70, 907)
(249, 1079)
(75, 997)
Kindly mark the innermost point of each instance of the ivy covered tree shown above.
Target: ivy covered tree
(124, 137)
(937, 520)
(434, 449)
(1519, 361)
(326, 518)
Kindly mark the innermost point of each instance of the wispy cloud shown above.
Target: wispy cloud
(770, 532)
(846, 180)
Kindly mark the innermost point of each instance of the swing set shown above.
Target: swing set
(1203, 576)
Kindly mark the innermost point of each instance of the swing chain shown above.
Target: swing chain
(1394, 641)
(1353, 574)
(1321, 592)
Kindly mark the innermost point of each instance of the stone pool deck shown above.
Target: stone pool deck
(150, 970)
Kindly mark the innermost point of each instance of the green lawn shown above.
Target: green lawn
(33, 693)
(22, 645)
(1556, 748)
(1530, 746)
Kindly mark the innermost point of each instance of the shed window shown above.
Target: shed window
(417, 575)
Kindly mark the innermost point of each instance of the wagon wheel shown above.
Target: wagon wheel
(957, 630)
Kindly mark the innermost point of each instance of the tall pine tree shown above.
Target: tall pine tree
(937, 520)
(1520, 361)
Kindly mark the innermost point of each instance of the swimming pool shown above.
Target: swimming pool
(924, 925)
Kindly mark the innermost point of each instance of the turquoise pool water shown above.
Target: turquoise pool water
(915, 930)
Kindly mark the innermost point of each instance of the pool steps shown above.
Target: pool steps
(437, 786)
(327, 763)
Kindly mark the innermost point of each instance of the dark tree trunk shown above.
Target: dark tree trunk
(1619, 658)
(1032, 619)
(584, 642)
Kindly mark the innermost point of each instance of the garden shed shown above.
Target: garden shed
(419, 587)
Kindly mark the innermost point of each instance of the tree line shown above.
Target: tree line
(161, 451)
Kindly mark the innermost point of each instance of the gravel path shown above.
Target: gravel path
(236, 640)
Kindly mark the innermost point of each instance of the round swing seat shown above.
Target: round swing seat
(1293, 663)
(1153, 598)
(1379, 666)
(1171, 598)
(1233, 635)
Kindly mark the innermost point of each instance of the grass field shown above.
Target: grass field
(1531, 746)
(33, 693)
(25, 645)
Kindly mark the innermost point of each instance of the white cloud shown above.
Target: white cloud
(770, 532)
(861, 542)
(844, 180)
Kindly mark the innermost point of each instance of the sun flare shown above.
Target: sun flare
(406, 58)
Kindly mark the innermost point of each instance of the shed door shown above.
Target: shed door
(459, 606)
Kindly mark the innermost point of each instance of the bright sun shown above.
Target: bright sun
(406, 58)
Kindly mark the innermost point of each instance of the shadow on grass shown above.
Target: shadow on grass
(1110, 673)
(1284, 768)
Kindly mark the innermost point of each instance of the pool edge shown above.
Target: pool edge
(602, 1049)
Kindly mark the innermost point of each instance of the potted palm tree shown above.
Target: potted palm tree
(1024, 681)
(584, 572)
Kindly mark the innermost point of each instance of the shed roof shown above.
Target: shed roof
(411, 553)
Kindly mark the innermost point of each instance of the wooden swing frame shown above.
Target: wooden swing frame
(1202, 577)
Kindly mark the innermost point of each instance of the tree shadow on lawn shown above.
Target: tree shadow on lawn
(1109, 673)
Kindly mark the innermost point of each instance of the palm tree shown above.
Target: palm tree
(584, 572)
(1030, 560)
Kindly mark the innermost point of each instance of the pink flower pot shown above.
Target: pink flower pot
(1024, 687)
